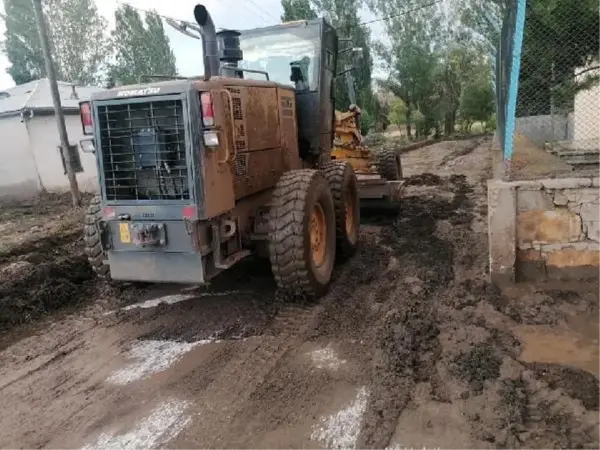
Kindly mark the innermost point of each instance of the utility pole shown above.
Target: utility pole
(58, 112)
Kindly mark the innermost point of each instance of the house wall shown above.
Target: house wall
(544, 229)
(44, 142)
(587, 114)
(18, 172)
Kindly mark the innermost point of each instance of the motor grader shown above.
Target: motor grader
(196, 174)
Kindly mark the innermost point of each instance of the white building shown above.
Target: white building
(29, 142)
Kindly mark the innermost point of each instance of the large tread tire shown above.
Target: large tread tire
(389, 165)
(91, 237)
(294, 199)
(344, 188)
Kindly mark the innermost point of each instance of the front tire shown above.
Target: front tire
(344, 188)
(91, 238)
(389, 165)
(302, 233)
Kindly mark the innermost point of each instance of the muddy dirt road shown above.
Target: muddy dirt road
(411, 347)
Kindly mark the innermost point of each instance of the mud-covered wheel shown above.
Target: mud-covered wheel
(91, 237)
(302, 233)
(344, 189)
(389, 165)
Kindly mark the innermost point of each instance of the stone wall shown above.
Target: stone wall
(544, 229)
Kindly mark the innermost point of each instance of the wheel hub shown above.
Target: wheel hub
(318, 235)
(350, 218)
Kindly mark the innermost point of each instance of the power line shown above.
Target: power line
(403, 13)
(266, 12)
(256, 12)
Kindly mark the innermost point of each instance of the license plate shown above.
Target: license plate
(124, 233)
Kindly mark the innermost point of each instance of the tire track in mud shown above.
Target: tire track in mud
(237, 378)
(405, 336)
(238, 370)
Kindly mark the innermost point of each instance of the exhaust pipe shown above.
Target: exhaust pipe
(209, 41)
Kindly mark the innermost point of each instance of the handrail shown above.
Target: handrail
(228, 153)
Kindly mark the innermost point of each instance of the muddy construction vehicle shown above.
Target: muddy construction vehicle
(196, 174)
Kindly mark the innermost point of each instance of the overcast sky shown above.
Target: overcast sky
(233, 14)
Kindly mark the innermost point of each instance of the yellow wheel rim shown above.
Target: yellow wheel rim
(318, 235)
(350, 219)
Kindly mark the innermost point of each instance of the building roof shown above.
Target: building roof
(36, 96)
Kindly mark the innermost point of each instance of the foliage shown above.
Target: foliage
(477, 103)
(435, 54)
(398, 112)
(78, 41)
(297, 10)
(367, 122)
(561, 37)
(141, 49)
(22, 45)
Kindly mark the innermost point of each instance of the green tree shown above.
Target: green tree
(22, 45)
(297, 10)
(477, 103)
(398, 112)
(561, 37)
(431, 56)
(140, 48)
(78, 40)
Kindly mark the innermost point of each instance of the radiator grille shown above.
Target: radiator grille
(143, 150)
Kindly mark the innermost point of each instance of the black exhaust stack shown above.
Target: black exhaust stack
(209, 41)
(230, 52)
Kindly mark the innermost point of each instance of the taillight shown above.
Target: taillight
(189, 212)
(85, 109)
(208, 114)
(108, 213)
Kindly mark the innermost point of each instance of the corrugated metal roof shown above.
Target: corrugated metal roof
(36, 95)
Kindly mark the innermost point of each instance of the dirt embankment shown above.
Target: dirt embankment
(42, 264)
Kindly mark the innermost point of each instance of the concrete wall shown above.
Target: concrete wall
(44, 142)
(544, 229)
(18, 172)
(542, 129)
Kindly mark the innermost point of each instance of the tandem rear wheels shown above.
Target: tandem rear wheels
(314, 215)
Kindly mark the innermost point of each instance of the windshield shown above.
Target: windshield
(274, 50)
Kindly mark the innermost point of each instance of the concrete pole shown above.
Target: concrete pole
(58, 112)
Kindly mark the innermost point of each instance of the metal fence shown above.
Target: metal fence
(548, 74)
(504, 56)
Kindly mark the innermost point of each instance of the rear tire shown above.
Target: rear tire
(302, 233)
(344, 188)
(93, 244)
(389, 165)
